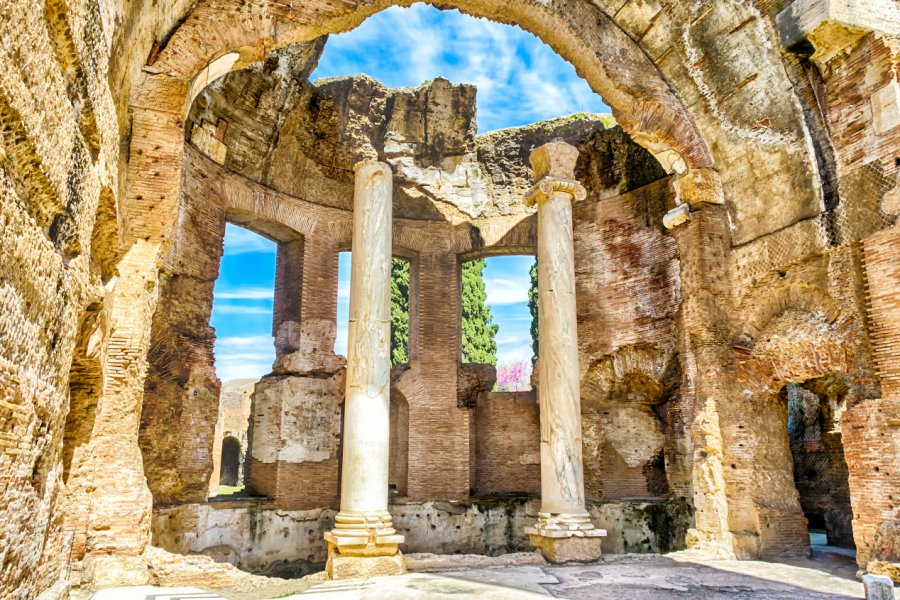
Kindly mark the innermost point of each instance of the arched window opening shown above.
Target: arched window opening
(501, 60)
(398, 472)
(230, 471)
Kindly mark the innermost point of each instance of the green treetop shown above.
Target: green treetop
(478, 327)
(399, 311)
(533, 309)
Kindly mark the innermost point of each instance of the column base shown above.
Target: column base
(566, 538)
(344, 566)
(362, 546)
(568, 549)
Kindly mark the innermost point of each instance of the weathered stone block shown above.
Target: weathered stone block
(110, 571)
(568, 549)
(878, 587)
(340, 566)
(886, 108)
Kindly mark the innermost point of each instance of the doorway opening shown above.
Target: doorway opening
(820, 470)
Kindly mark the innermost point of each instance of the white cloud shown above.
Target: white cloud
(344, 288)
(255, 293)
(227, 369)
(520, 80)
(502, 291)
(513, 339)
(340, 341)
(243, 241)
(245, 341)
(244, 356)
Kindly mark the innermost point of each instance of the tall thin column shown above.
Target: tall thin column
(564, 531)
(363, 541)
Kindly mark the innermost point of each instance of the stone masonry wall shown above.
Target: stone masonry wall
(252, 536)
(628, 290)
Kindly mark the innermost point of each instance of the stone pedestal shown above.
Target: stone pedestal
(363, 541)
(569, 548)
(564, 530)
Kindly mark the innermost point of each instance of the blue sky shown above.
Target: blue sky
(520, 81)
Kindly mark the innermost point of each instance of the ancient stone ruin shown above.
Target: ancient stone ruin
(719, 284)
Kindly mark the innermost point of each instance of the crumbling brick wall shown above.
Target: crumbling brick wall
(181, 393)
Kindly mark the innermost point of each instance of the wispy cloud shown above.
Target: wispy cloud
(504, 291)
(242, 241)
(244, 341)
(520, 80)
(254, 293)
(240, 356)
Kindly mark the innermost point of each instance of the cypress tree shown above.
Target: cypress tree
(399, 311)
(533, 309)
(478, 327)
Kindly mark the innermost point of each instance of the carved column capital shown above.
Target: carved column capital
(547, 186)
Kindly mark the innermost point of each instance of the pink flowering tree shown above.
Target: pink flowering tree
(513, 376)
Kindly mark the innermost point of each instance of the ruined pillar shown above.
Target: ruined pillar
(704, 327)
(564, 531)
(363, 541)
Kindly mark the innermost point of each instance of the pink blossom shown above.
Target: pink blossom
(514, 376)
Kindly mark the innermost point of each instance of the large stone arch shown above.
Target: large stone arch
(798, 336)
(665, 107)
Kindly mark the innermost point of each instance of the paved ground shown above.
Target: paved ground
(828, 577)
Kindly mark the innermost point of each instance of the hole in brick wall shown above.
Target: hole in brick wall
(231, 462)
(398, 471)
(819, 469)
(85, 381)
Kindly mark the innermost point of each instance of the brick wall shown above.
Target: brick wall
(181, 391)
(507, 443)
(628, 291)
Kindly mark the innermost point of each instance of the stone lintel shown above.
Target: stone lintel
(832, 25)
(549, 185)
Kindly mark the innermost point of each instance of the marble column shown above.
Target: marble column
(564, 531)
(363, 542)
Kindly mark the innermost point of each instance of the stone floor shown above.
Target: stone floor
(626, 577)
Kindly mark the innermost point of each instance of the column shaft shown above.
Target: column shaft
(564, 531)
(364, 481)
(363, 525)
(562, 478)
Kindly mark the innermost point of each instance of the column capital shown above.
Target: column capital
(555, 159)
(548, 185)
(371, 164)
